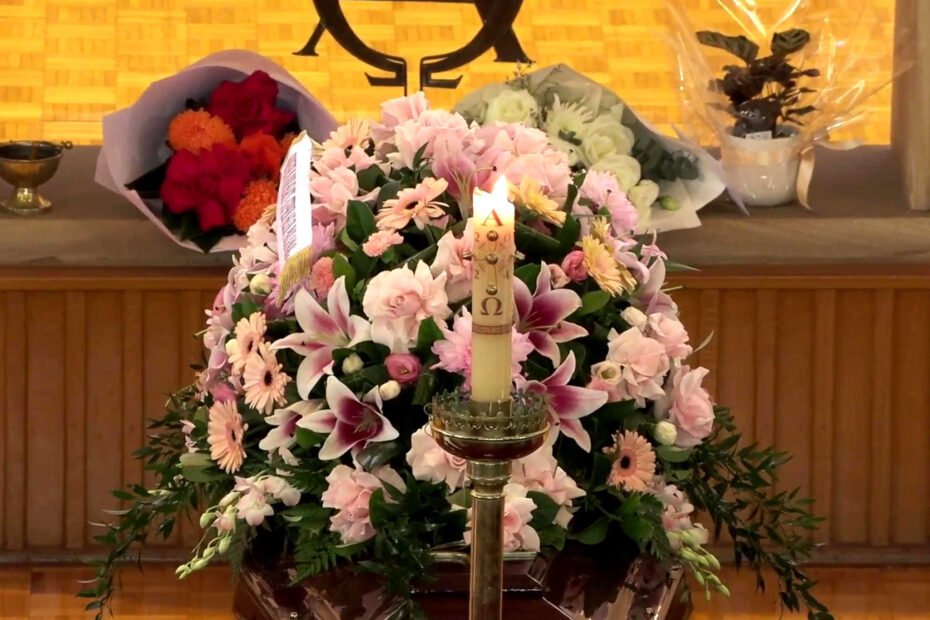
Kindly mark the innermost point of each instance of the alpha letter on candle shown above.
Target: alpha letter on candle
(492, 294)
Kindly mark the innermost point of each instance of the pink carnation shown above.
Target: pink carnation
(574, 267)
(690, 407)
(349, 493)
(454, 350)
(380, 242)
(643, 363)
(321, 277)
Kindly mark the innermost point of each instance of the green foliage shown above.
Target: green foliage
(734, 485)
(739, 46)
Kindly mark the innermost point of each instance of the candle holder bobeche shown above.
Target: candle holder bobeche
(489, 436)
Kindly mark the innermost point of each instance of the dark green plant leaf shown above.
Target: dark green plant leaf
(360, 221)
(377, 454)
(341, 267)
(428, 333)
(670, 454)
(789, 41)
(593, 301)
(369, 177)
(308, 439)
(739, 46)
(528, 274)
(595, 533)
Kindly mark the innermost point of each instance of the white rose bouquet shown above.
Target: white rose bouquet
(667, 180)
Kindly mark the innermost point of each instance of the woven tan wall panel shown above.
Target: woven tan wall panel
(66, 63)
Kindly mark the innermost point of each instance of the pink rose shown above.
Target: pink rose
(403, 367)
(606, 377)
(690, 407)
(453, 257)
(349, 493)
(518, 512)
(430, 462)
(321, 277)
(541, 472)
(643, 363)
(380, 242)
(573, 266)
(428, 129)
(671, 333)
(332, 190)
(397, 301)
(397, 111)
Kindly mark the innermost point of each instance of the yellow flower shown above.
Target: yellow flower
(530, 197)
(600, 229)
(610, 275)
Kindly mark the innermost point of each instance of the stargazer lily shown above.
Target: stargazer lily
(568, 403)
(351, 423)
(542, 314)
(324, 331)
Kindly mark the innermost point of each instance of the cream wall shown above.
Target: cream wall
(66, 63)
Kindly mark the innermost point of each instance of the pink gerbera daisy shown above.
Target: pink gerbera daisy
(249, 333)
(263, 380)
(417, 204)
(224, 434)
(634, 462)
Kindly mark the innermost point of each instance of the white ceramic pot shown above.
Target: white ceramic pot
(764, 173)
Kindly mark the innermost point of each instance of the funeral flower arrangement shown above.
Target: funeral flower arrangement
(308, 421)
(666, 179)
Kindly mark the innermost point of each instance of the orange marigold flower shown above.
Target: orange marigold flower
(195, 130)
(258, 195)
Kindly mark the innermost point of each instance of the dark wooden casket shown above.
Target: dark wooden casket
(576, 583)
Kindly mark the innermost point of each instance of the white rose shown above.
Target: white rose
(644, 195)
(634, 317)
(625, 168)
(389, 390)
(513, 106)
(352, 364)
(665, 433)
(260, 284)
(604, 137)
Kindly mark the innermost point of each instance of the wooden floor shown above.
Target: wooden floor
(46, 592)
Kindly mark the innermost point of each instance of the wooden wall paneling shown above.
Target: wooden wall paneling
(75, 356)
(852, 459)
(794, 386)
(104, 397)
(689, 311)
(736, 387)
(882, 382)
(133, 420)
(824, 338)
(709, 325)
(162, 363)
(3, 415)
(909, 475)
(45, 419)
(191, 352)
(15, 436)
(767, 339)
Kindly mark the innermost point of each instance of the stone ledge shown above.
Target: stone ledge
(860, 217)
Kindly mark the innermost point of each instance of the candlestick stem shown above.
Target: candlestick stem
(487, 548)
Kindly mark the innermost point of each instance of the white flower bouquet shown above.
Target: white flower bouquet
(667, 180)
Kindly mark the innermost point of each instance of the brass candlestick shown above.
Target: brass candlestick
(489, 436)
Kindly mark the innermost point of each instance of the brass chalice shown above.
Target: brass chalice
(27, 164)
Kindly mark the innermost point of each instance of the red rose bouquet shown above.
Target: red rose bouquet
(199, 154)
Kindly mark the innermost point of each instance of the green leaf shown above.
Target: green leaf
(360, 221)
(369, 177)
(739, 46)
(531, 241)
(670, 454)
(428, 333)
(388, 192)
(380, 512)
(426, 384)
(546, 509)
(200, 475)
(637, 528)
(595, 533)
(568, 235)
(528, 273)
(245, 308)
(378, 454)
(418, 157)
(593, 301)
(601, 469)
(552, 536)
(308, 439)
(790, 41)
(341, 267)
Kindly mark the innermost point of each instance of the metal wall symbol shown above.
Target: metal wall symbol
(497, 17)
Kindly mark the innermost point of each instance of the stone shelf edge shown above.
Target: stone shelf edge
(861, 217)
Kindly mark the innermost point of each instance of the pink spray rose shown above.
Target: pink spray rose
(573, 266)
(690, 407)
(349, 493)
(403, 367)
(643, 363)
(397, 301)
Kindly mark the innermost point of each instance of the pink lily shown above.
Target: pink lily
(568, 403)
(324, 331)
(651, 298)
(542, 314)
(351, 423)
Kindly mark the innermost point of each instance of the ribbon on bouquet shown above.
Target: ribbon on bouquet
(806, 167)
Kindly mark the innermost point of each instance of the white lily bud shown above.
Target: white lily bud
(206, 519)
(260, 284)
(352, 364)
(199, 564)
(209, 552)
(665, 433)
(232, 347)
(389, 390)
(634, 317)
(224, 545)
(229, 498)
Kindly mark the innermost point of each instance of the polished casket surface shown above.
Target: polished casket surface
(579, 583)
